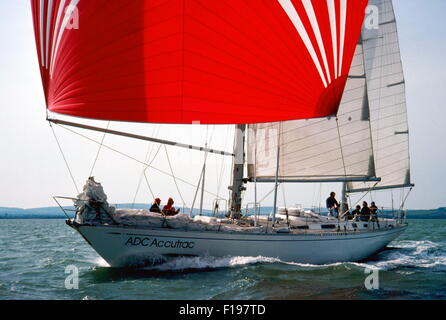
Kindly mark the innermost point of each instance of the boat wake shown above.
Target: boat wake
(402, 254)
(209, 262)
(411, 254)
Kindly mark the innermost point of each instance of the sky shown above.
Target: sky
(32, 169)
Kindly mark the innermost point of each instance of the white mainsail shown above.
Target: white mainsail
(326, 149)
(387, 101)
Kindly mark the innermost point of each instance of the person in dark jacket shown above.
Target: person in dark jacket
(365, 212)
(332, 205)
(156, 206)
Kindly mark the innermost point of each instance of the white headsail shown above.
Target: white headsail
(387, 100)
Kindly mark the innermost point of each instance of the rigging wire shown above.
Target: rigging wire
(202, 175)
(272, 190)
(344, 191)
(282, 187)
(134, 159)
(143, 173)
(223, 164)
(148, 185)
(283, 195)
(196, 191)
(64, 158)
(150, 147)
(173, 175)
(370, 190)
(99, 150)
(405, 199)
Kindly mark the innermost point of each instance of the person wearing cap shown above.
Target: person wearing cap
(156, 206)
(168, 209)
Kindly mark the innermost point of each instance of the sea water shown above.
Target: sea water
(40, 259)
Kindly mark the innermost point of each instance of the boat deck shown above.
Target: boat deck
(264, 227)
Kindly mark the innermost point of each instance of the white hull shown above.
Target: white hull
(126, 246)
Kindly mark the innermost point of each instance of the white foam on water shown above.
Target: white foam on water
(100, 262)
(308, 265)
(407, 253)
(209, 262)
(418, 245)
(90, 298)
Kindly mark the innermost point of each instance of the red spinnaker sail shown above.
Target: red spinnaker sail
(184, 61)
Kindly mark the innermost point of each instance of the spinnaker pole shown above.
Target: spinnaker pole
(139, 137)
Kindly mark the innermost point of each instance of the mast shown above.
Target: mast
(236, 186)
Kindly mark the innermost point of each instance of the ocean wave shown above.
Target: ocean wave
(411, 254)
(420, 246)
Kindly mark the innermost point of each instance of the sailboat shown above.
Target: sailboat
(316, 96)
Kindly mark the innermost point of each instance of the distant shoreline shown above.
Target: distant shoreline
(56, 212)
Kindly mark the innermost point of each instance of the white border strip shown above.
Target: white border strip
(317, 32)
(290, 10)
(334, 34)
(343, 23)
(66, 19)
(56, 34)
(48, 24)
(42, 44)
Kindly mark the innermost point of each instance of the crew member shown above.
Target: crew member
(168, 209)
(374, 213)
(332, 205)
(357, 212)
(365, 212)
(156, 206)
